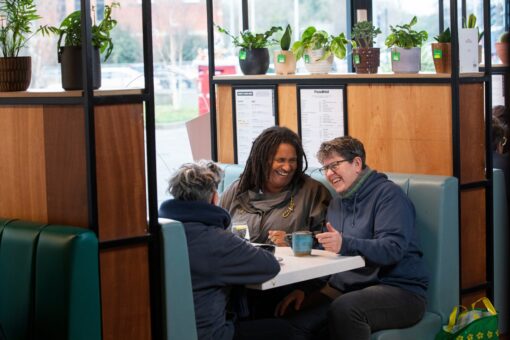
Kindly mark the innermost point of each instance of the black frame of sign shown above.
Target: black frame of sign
(234, 110)
(321, 87)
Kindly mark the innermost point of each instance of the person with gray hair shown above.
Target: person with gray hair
(196, 182)
(372, 217)
(218, 259)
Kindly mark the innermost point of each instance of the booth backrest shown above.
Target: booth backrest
(178, 306)
(49, 282)
(501, 251)
(436, 202)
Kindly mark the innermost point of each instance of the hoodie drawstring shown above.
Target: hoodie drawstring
(354, 210)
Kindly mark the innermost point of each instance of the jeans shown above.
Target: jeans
(356, 315)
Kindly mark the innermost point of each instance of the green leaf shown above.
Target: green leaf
(286, 37)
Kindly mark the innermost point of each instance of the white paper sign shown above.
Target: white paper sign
(497, 90)
(255, 111)
(322, 118)
(468, 50)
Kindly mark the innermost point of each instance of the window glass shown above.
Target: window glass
(123, 68)
(497, 20)
(328, 15)
(398, 12)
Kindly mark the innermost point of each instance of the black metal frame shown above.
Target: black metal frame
(234, 109)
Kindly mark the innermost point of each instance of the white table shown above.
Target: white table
(301, 268)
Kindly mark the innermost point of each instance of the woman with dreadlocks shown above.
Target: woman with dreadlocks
(273, 195)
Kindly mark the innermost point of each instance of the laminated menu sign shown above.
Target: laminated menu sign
(254, 112)
(322, 118)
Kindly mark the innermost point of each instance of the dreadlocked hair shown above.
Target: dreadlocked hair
(258, 165)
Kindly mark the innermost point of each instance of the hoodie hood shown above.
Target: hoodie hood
(195, 211)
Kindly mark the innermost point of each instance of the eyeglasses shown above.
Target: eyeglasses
(332, 166)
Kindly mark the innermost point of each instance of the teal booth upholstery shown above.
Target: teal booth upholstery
(178, 306)
(49, 282)
(436, 201)
(501, 251)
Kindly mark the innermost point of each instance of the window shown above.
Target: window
(398, 12)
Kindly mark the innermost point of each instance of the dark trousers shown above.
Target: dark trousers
(355, 315)
(264, 329)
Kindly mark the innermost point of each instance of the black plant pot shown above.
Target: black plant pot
(69, 58)
(254, 61)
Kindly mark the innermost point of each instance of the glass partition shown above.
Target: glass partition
(398, 12)
(329, 15)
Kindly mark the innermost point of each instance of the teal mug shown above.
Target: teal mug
(302, 242)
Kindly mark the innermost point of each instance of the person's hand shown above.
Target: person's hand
(278, 238)
(330, 240)
(296, 297)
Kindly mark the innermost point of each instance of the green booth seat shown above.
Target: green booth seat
(178, 305)
(49, 282)
(501, 251)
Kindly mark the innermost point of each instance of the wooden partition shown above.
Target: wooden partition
(43, 178)
(406, 123)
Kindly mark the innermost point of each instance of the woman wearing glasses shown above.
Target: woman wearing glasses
(273, 195)
(374, 218)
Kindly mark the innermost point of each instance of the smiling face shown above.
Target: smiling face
(344, 173)
(283, 167)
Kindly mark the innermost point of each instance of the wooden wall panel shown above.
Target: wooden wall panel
(287, 106)
(120, 164)
(22, 163)
(468, 299)
(125, 293)
(224, 124)
(66, 180)
(405, 128)
(472, 133)
(473, 237)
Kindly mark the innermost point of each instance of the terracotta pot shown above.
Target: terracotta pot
(366, 59)
(502, 52)
(254, 61)
(314, 64)
(70, 65)
(441, 54)
(284, 62)
(15, 73)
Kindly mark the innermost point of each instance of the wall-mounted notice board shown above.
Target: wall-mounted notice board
(254, 110)
(321, 116)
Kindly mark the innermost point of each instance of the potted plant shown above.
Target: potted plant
(254, 54)
(441, 52)
(365, 57)
(405, 44)
(318, 48)
(16, 17)
(502, 48)
(284, 59)
(69, 47)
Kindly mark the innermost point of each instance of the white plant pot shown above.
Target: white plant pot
(314, 64)
(406, 60)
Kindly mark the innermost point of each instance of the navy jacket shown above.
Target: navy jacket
(218, 260)
(377, 220)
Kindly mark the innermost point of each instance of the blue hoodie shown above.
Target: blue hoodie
(218, 260)
(377, 221)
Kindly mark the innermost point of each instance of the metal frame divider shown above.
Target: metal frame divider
(489, 223)
(90, 140)
(454, 86)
